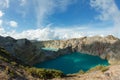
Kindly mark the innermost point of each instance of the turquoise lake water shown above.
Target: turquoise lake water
(72, 63)
(50, 49)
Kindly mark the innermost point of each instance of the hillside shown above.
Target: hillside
(98, 73)
(31, 52)
(105, 47)
(13, 69)
(18, 56)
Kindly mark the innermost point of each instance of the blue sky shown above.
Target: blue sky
(59, 19)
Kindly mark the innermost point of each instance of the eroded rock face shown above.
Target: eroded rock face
(105, 47)
(32, 53)
(22, 49)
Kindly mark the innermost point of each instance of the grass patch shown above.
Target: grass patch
(44, 73)
(81, 72)
(13, 65)
(99, 67)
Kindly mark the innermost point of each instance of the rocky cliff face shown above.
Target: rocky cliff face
(106, 47)
(12, 69)
(30, 52)
(22, 49)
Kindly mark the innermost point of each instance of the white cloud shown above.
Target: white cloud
(44, 8)
(109, 11)
(23, 2)
(47, 34)
(62, 5)
(38, 34)
(1, 21)
(55, 33)
(4, 4)
(107, 8)
(1, 13)
(2, 31)
(13, 24)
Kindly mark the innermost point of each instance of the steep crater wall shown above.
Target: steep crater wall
(31, 52)
(105, 47)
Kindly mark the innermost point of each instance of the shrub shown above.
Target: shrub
(44, 73)
(99, 67)
(104, 69)
(81, 72)
(13, 63)
(4, 59)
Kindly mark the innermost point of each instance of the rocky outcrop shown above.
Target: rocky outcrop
(31, 52)
(106, 47)
(22, 49)
(28, 52)
(11, 69)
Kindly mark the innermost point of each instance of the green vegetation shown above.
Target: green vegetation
(81, 72)
(15, 68)
(44, 73)
(13, 63)
(4, 55)
(99, 67)
(7, 57)
(10, 72)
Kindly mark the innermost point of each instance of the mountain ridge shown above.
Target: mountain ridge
(31, 52)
